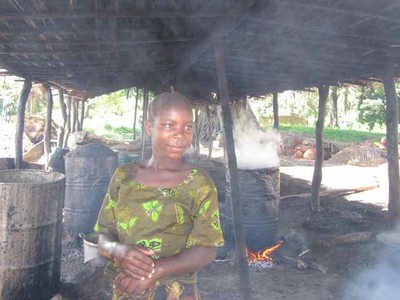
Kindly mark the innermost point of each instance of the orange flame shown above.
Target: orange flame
(263, 255)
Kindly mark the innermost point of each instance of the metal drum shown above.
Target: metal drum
(259, 199)
(31, 204)
(56, 162)
(88, 170)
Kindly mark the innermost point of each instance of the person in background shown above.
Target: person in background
(159, 223)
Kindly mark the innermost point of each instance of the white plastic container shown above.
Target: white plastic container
(90, 246)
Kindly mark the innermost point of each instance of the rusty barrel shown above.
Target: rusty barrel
(31, 204)
(88, 170)
(259, 199)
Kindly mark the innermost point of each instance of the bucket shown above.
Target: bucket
(90, 245)
(31, 204)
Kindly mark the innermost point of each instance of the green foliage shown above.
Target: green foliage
(334, 134)
(121, 132)
(371, 106)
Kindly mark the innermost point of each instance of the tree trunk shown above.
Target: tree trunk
(334, 96)
(317, 177)
(392, 122)
(276, 110)
(240, 252)
(61, 134)
(19, 133)
(346, 100)
(47, 128)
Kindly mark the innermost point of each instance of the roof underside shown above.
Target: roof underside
(100, 46)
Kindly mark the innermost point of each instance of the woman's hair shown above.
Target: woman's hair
(164, 100)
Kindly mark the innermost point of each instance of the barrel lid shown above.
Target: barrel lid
(92, 149)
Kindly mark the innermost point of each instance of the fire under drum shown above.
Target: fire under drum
(259, 197)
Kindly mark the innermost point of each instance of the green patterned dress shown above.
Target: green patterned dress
(166, 220)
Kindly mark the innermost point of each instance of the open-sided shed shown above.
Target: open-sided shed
(97, 47)
(88, 48)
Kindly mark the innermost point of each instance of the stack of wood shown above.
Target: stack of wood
(34, 128)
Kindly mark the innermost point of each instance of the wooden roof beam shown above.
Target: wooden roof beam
(222, 29)
(340, 33)
(96, 43)
(348, 12)
(110, 13)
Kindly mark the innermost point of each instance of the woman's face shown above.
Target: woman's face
(171, 132)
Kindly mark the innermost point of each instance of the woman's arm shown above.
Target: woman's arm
(189, 260)
(134, 261)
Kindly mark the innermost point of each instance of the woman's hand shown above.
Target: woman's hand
(126, 284)
(135, 261)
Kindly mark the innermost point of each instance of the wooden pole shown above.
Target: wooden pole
(240, 252)
(74, 114)
(392, 122)
(19, 133)
(134, 118)
(197, 132)
(210, 142)
(82, 115)
(276, 110)
(145, 106)
(317, 177)
(69, 104)
(47, 128)
(63, 107)
(77, 125)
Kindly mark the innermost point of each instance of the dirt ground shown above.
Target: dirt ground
(336, 271)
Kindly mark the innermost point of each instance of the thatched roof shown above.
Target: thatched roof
(101, 46)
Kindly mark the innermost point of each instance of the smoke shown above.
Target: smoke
(382, 281)
(255, 148)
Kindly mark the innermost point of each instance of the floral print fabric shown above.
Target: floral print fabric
(166, 220)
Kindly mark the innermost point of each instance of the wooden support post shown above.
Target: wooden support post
(197, 132)
(47, 128)
(276, 110)
(392, 123)
(63, 107)
(210, 142)
(319, 158)
(74, 114)
(82, 115)
(69, 104)
(145, 106)
(240, 241)
(134, 118)
(19, 133)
